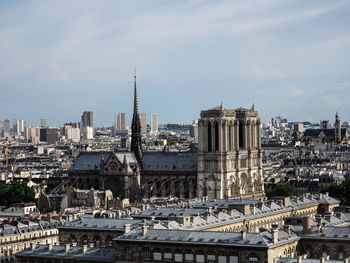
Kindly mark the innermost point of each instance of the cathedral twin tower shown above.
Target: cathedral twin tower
(229, 155)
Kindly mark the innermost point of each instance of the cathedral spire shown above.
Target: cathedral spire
(135, 93)
(136, 128)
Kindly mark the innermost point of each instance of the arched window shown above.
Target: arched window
(211, 257)
(209, 138)
(253, 258)
(229, 137)
(146, 253)
(222, 258)
(168, 255)
(241, 134)
(189, 255)
(216, 136)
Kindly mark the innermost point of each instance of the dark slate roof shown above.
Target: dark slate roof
(90, 161)
(329, 133)
(263, 239)
(170, 161)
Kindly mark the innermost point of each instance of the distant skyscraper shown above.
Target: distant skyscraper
(49, 135)
(143, 122)
(43, 123)
(18, 126)
(154, 122)
(87, 119)
(120, 121)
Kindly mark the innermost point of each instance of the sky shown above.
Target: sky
(59, 58)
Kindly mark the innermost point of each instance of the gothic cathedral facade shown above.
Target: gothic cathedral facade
(230, 155)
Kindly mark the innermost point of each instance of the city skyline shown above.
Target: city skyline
(290, 58)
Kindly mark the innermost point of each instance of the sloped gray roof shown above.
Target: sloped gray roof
(74, 253)
(90, 161)
(170, 161)
(263, 239)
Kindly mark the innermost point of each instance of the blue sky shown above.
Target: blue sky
(59, 58)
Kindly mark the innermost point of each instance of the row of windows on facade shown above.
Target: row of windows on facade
(189, 256)
(241, 138)
(15, 239)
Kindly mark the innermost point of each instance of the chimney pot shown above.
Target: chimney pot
(127, 228)
(67, 247)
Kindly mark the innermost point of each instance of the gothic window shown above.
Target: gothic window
(209, 138)
(241, 134)
(216, 136)
(229, 137)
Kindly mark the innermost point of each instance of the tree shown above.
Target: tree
(339, 191)
(281, 190)
(17, 192)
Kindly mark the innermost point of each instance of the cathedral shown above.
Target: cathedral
(228, 163)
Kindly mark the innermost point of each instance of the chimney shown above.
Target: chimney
(260, 205)
(346, 260)
(209, 210)
(74, 244)
(66, 247)
(126, 228)
(243, 234)
(206, 215)
(252, 209)
(327, 194)
(300, 259)
(84, 248)
(144, 230)
(275, 236)
(306, 224)
(91, 245)
(323, 259)
(49, 247)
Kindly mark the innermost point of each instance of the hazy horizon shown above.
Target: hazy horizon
(58, 59)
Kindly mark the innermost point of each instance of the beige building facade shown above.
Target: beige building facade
(230, 156)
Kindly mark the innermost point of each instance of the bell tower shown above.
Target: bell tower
(337, 129)
(229, 155)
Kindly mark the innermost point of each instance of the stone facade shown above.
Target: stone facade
(230, 155)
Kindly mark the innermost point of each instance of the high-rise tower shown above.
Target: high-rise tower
(136, 128)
